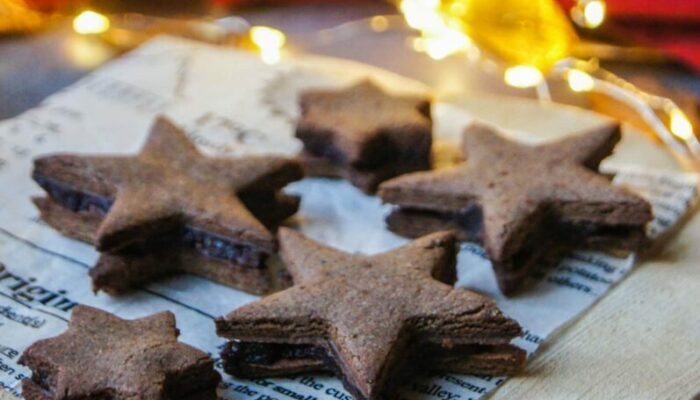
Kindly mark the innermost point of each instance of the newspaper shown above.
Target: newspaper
(232, 104)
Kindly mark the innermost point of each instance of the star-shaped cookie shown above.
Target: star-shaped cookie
(170, 185)
(170, 200)
(119, 273)
(103, 356)
(363, 134)
(366, 317)
(524, 203)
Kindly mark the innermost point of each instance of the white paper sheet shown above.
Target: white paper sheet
(232, 104)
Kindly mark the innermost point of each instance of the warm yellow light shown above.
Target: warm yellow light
(523, 76)
(438, 38)
(422, 14)
(680, 125)
(418, 45)
(593, 13)
(521, 32)
(445, 43)
(458, 9)
(86, 53)
(580, 81)
(269, 41)
(90, 23)
(264, 36)
(379, 23)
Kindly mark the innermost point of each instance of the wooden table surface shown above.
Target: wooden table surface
(641, 341)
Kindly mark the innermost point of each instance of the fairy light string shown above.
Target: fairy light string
(533, 20)
(678, 135)
(447, 27)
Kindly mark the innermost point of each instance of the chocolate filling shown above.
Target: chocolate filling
(257, 359)
(382, 153)
(579, 233)
(208, 243)
(533, 253)
(241, 356)
(267, 354)
(323, 148)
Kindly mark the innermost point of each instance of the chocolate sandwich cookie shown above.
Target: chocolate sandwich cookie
(368, 319)
(525, 204)
(170, 199)
(102, 356)
(117, 273)
(363, 134)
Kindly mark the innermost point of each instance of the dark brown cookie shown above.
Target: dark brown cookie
(363, 134)
(103, 356)
(171, 200)
(368, 318)
(127, 270)
(522, 202)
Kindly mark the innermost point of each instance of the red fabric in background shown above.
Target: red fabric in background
(682, 43)
(670, 10)
(672, 26)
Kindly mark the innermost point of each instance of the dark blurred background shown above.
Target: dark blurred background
(37, 63)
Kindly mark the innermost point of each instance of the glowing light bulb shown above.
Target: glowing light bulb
(580, 81)
(422, 14)
(269, 41)
(90, 23)
(589, 13)
(680, 125)
(518, 32)
(446, 43)
(379, 23)
(440, 36)
(523, 76)
(594, 13)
